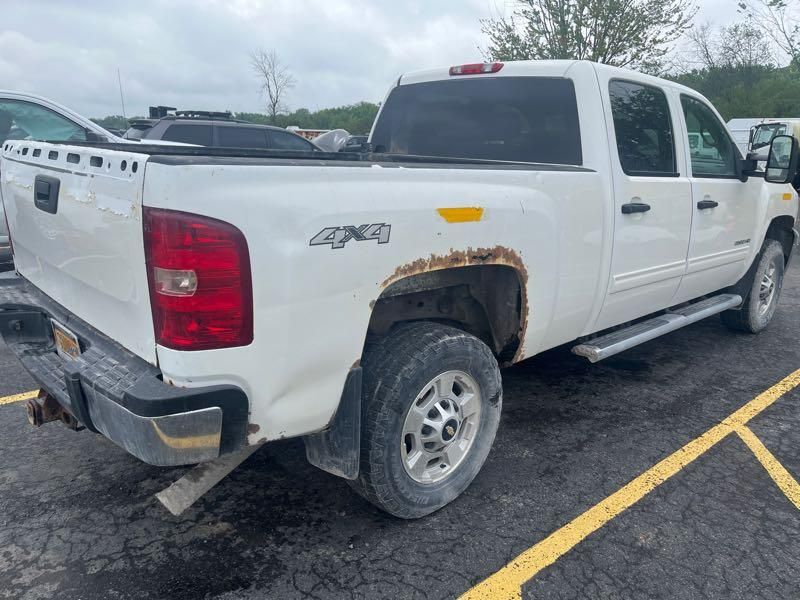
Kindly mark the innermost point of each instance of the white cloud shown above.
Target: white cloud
(194, 53)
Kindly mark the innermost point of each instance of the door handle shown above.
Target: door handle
(45, 193)
(707, 204)
(634, 207)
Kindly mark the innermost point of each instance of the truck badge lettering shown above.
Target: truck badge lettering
(337, 237)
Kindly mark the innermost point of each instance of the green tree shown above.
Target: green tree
(735, 69)
(625, 33)
(355, 118)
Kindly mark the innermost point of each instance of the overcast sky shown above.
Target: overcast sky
(194, 53)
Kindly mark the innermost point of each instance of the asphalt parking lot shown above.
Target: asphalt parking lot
(78, 518)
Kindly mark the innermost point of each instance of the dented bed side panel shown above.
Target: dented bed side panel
(326, 241)
(88, 253)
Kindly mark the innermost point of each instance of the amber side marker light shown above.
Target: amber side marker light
(461, 214)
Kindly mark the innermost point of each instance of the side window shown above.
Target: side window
(21, 120)
(186, 133)
(289, 141)
(643, 128)
(712, 151)
(242, 137)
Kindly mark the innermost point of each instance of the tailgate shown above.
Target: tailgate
(81, 241)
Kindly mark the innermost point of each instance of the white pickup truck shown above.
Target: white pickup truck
(189, 303)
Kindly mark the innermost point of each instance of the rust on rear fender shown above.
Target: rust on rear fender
(496, 255)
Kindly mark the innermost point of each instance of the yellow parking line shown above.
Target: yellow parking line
(508, 581)
(776, 470)
(19, 397)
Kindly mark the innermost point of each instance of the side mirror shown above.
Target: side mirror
(782, 159)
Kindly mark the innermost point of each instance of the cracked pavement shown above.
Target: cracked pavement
(78, 518)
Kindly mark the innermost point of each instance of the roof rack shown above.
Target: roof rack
(170, 112)
(204, 114)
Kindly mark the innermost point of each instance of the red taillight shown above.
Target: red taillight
(201, 290)
(476, 68)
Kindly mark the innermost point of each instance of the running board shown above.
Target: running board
(623, 339)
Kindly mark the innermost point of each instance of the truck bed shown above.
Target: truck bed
(312, 299)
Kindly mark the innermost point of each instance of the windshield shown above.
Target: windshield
(20, 120)
(524, 119)
(764, 134)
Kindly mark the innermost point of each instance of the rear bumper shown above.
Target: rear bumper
(118, 394)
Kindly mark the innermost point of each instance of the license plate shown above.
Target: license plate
(67, 344)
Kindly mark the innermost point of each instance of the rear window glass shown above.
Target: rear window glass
(188, 134)
(526, 119)
(242, 137)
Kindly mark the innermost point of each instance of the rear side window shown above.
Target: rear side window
(185, 133)
(526, 119)
(643, 128)
(289, 141)
(242, 137)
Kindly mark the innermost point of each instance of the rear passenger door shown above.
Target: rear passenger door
(652, 201)
(724, 209)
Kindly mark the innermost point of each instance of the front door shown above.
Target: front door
(725, 209)
(653, 202)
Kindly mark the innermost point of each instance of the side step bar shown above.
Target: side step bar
(623, 339)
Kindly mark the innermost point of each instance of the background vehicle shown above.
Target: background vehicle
(29, 117)
(740, 129)
(763, 134)
(355, 143)
(366, 301)
(205, 128)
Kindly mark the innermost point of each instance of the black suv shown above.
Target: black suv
(205, 128)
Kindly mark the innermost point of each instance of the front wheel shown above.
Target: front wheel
(432, 401)
(760, 304)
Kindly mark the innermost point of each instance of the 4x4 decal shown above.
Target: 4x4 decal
(337, 237)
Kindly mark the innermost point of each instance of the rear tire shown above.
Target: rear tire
(432, 399)
(760, 304)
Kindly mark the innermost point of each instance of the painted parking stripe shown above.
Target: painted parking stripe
(508, 581)
(19, 397)
(782, 478)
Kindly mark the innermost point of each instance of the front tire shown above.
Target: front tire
(760, 304)
(432, 401)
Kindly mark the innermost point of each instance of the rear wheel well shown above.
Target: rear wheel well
(780, 230)
(484, 300)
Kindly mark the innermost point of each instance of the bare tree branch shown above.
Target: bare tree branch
(275, 79)
(780, 19)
